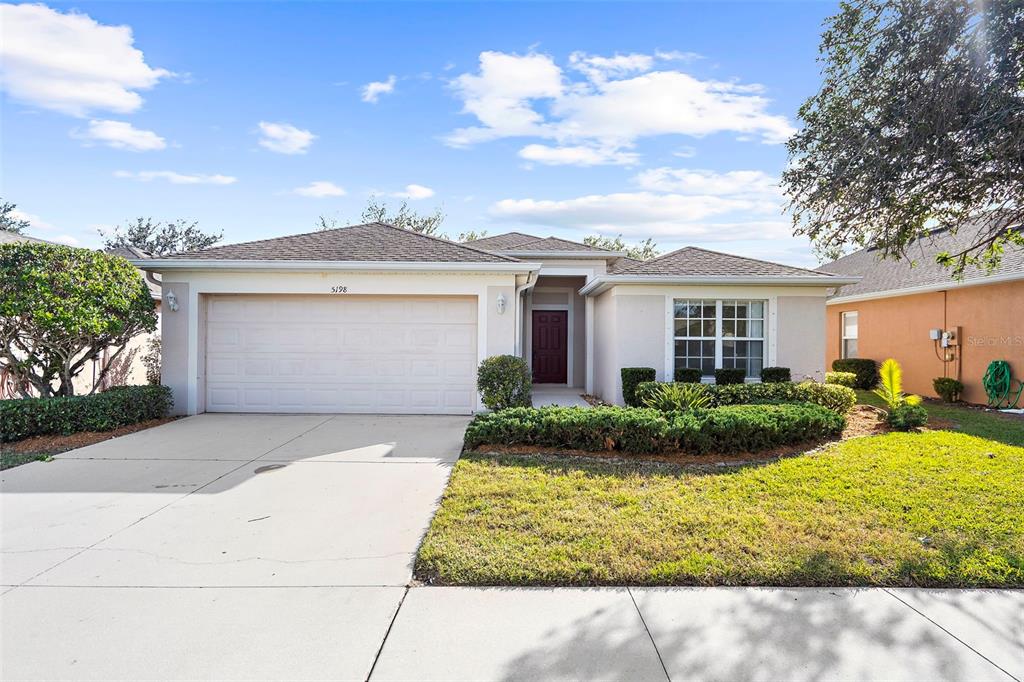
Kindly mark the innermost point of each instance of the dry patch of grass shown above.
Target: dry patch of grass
(934, 508)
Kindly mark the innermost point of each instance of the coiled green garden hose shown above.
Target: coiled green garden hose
(998, 383)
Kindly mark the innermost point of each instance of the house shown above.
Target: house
(376, 319)
(913, 310)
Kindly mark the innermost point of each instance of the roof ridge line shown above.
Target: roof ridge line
(445, 241)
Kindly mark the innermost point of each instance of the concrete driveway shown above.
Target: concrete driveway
(219, 546)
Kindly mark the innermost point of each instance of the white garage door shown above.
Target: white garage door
(371, 354)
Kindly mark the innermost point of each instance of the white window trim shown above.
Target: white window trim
(843, 338)
(769, 327)
(570, 309)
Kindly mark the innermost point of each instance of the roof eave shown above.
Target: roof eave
(927, 288)
(602, 283)
(163, 264)
(588, 255)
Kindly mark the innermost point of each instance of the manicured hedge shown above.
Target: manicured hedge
(848, 379)
(688, 375)
(866, 370)
(838, 398)
(504, 381)
(733, 428)
(730, 375)
(631, 376)
(98, 412)
(775, 375)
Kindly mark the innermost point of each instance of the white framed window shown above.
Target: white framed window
(716, 333)
(849, 334)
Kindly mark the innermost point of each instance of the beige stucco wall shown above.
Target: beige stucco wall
(605, 338)
(174, 345)
(800, 343)
(501, 328)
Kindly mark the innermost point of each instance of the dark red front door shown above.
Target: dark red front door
(550, 346)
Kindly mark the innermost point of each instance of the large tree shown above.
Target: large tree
(645, 250)
(10, 220)
(919, 123)
(404, 217)
(159, 238)
(61, 308)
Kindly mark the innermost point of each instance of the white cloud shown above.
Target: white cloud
(684, 181)
(121, 135)
(373, 91)
(70, 62)
(177, 178)
(414, 192)
(285, 138)
(621, 99)
(65, 239)
(320, 189)
(579, 155)
(685, 152)
(34, 221)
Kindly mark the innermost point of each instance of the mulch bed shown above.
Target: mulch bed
(56, 443)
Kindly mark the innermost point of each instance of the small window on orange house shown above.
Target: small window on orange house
(849, 334)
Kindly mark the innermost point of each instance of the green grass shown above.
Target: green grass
(1005, 428)
(9, 460)
(933, 509)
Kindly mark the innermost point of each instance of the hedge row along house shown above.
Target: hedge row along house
(912, 310)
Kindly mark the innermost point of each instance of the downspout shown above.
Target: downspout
(531, 281)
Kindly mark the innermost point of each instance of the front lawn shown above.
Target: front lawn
(1005, 428)
(935, 508)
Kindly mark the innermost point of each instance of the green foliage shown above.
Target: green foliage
(504, 381)
(919, 123)
(631, 377)
(948, 389)
(775, 375)
(840, 399)
(848, 379)
(61, 307)
(730, 375)
(645, 250)
(735, 428)
(865, 369)
(907, 416)
(105, 411)
(160, 239)
(890, 388)
(151, 360)
(676, 397)
(10, 219)
(688, 375)
(405, 217)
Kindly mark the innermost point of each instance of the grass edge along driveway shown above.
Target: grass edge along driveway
(931, 509)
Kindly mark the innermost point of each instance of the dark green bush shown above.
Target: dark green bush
(837, 398)
(688, 375)
(105, 411)
(735, 428)
(866, 370)
(848, 379)
(729, 375)
(906, 417)
(631, 376)
(949, 389)
(504, 381)
(775, 375)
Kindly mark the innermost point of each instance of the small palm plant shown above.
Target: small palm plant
(674, 397)
(891, 386)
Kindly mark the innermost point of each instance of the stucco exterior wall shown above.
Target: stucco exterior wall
(800, 345)
(174, 346)
(991, 318)
(605, 340)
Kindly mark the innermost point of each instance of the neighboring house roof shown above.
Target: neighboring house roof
(130, 252)
(15, 238)
(918, 271)
(500, 242)
(691, 260)
(360, 243)
(517, 243)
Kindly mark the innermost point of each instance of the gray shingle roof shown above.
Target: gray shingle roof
(918, 268)
(694, 261)
(369, 242)
(518, 241)
(617, 265)
(500, 242)
(15, 238)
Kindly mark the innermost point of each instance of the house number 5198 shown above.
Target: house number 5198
(339, 290)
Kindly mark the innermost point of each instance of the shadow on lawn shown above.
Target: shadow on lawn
(763, 633)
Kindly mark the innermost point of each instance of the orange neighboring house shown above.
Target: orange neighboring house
(914, 311)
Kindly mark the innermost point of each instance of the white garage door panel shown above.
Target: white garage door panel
(341, 354)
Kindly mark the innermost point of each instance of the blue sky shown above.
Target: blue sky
(660, 120)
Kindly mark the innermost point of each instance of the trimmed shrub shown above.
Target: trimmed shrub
(105, 411)
(907, 416)
(631, 376)
(688, 375)
(948, 389)
(775, 375)
(504, 381)
(866, 370)
(675, 397)
(728, 376)
(837, 398)
(848, 379)
(735, 428)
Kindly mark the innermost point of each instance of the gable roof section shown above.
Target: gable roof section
(372, 242)
(520, 243)
(918, 269)
(500, 242)
(693, 261)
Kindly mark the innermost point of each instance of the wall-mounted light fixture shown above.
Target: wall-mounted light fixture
(501, 304)
(172, 301)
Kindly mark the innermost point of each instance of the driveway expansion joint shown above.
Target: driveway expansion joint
(629, 591)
